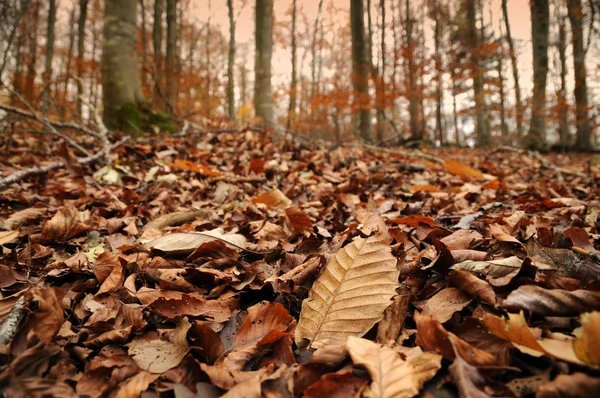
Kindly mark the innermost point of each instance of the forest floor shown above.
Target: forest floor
(241, 265)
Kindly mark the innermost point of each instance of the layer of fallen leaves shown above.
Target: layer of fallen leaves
(233, 265)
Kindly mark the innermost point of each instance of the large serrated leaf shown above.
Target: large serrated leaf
(185, 243)
(392, 376)
(351, 294)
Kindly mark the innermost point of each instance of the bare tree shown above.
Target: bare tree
(584, 129)
(263, 93)
(83, 7)
(563, 106)
(231, 61)
(540, 21)
(171, 59)
(515, 70)
(294, 79)
(157, 43)
(49, 56)
(360, 69)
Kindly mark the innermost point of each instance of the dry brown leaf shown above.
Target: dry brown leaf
(186, 243)
(192, 306)
(392, 376)
(351, 294)
(273, 198)
(8, 236)
(497, 272)
(49, 316)
(336, 385)
(576, 385)
(20, 217)
(473, 286)
(461, 239)
(551, 302)
(299, 220)
(187, 165)
(445, 303)
(462, 170)
(500, 234)
(587, 342)
(135, 385)
(67, 223)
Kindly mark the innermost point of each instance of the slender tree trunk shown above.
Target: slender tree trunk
(314, 63)
(231, 61)
(172, 58)
(29, 90)
(583, 141)
(540, 17)
(144, 42)
(563, 106)
(481, 132)
(515, 71)
(502, 94)
(13, 34)
(382, 87)
(457, 134)
(121, 88)
(360, 69)
(67, 78)
(263, 93)
(416, 132)
(439, 94)
(49, 56)
(376, 73)
(294, 79)
(83, 6)
(157, 42)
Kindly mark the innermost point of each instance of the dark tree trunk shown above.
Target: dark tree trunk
(231, 62)
(540, 18)
(263, 93)
(172, 57)
(563, 106)
(360, 69)
(157, 42)
(83, 7)
(583, 141)
(49, 56)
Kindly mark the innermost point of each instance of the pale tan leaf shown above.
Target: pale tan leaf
(392, 376)
(497, 272)
(157, 356)
(186, 243)
(8, 236)
(445, 303)
(351, 294)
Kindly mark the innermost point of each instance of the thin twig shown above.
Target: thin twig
(10, 324)
(22, 174)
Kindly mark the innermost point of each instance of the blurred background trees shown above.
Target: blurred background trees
(387, 71)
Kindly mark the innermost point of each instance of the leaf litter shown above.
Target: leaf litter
(281, 270)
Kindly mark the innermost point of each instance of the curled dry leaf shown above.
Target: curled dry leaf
(351, 294)
(186, 243)
(497, 272)
(273, 198)
(135, 385)
(191, 306)
(8, 236)
(392, 376)
(336, 385)
(299, 220)
(551, 302)
(49, 316)
(445, 303)
(67, 223)
(473, 286)
(587, 342)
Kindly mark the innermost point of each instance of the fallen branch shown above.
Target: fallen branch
(103, 131)
(396, 151)
(52, 129)
(13, 320)
(25, 173)
(537, 156)
(63, 125)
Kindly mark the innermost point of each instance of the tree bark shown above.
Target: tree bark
(49, 56)
(482, 134)
(563, 106)
(294, 79)
(263, 93)
(144, 67)
(416, 131)
(515, 70)
(439, 94)
(83, 6)
(540, 18)
(157, 43)
(62, 109)
(583, 141)
(120, 79)
(29, 89)
(231, 61)
(360, 69)
(171, 59)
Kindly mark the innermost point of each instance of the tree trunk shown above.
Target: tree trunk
(416, 132)
(171, 59)
(231, 61)
(120, 79)
(540, 18)
(294, 80)
(263, 93)
(144, 68)
(157, 43)
(515, 71)
(29, 90)
(63, 108)
(437, 39)
(584, 129)
(378, 72)
(360, 69)
(502, 95)
(563, 106)
(49, 56)
(83, 6)
(482, 135)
